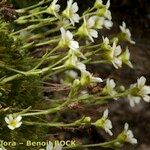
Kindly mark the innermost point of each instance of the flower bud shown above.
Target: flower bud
(86, 120)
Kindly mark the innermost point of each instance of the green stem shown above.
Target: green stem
(31, 72)
(47, 42)
(32, 27)
(23, 10)
(99, 62)
(75, 88)
(49, 111)
(89, 14)
(38, 20)
(50, 124)
(33, 14)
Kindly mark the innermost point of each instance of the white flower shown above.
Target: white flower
(105, 123)
(51, 147)
(104, 11)
(128, 134)
(87, 29)
(140, 90)
(87, 78)
(99, 22)
(73, 62)
(53, 8)
(126, 33)
(13, 122)
(126, 58)
(67, 40)
(109, 88)
(115, 59)
(107, 13)
(81, 66)
(70, 12)
(107, 24)
(133, 100)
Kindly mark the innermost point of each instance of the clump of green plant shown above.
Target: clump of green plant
(46, 45)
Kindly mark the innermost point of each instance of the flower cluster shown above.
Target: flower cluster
(139, 91)
(114, 53)
(73, 60)
(102, 18)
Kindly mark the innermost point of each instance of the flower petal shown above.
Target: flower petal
(7, 120)
(18, 118)
(11, 127)
(141, 82)
(75, 7)
(93, 33)
(74, 45)
(105, 114)
(69, 35)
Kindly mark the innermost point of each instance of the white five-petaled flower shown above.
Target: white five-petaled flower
(115, 53)
(13, 122)
(105, 123)
(53, 8)
(51, 147)
(128, 135)
(100, 22)
(70, 12)
(140, 90)
(126, 58)
(67, 40)
(109, 88)
(126, 32)
(87, 29)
